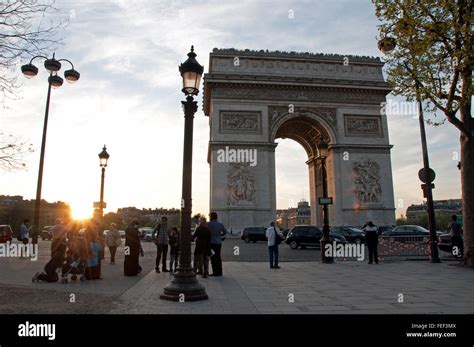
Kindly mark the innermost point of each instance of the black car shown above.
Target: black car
(385, 228)
(285, 232)
(254, 234)
(408, 233)
(307, 235)
(351, 234)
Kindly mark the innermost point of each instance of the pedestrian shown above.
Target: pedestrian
(161, 242)
(455, 229)
(93, 269)
(113, 241)
(372, 240)
(202, 235)
(132, 250)
(24, 235)
(173, 240)
(217, 232)
(274, 238)
(59, 236)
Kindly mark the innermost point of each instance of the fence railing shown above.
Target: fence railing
(409, 247)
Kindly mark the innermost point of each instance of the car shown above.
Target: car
(408, 233)
(47, 233)
(285, 232)
(309, 235)
(149, 235)
(446, 245)
(351, 234)
(385, 228)
(254, 234)
(6, 233)
(146, 232)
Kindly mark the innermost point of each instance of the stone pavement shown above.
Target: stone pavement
(313, 287)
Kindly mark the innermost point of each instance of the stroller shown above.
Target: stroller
(50, 273)
(76, 261)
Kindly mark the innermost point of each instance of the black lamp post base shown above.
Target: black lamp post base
(184, 287)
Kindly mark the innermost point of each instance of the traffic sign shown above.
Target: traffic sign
(427, 176)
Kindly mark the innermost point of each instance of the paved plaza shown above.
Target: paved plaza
(299, 287)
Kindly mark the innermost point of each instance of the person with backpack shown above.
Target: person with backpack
(274, 238)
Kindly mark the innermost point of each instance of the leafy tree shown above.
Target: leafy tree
(431, 61)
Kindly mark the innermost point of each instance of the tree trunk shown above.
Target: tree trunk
(467, 182)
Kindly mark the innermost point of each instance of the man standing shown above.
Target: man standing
(59, 235)
(372, 240)
(24, 234)
(455, 229)
(161, 242)
(217, 231)
(274, 238)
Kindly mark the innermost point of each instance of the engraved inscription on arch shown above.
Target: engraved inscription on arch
(240, 121)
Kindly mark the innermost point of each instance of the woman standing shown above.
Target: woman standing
(202, 250)
(132, 249)
(113, 241)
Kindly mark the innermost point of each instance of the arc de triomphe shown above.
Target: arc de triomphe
(253, 98)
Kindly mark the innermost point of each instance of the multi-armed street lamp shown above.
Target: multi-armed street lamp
(104, 158)
(322, 151)
(185, 286)
(53, 66)
(426, 174)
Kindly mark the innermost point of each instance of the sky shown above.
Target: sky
(129, 93)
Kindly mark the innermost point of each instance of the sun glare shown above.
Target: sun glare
(81, 211)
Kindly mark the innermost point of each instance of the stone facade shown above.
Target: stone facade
(254, 98)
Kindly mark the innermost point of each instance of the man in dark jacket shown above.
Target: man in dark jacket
(217, 231)
(372, 240)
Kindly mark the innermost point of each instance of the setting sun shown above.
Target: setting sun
(81, 211)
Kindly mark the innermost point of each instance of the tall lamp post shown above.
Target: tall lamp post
(185, 286)
(426, 174)
(104, 158)
(53, 66)
(323, 150)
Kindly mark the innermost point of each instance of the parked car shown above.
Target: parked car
(254, 234)
(285, 232)
(47, 233)
(385, 228)
(351, 234)
(146, 233)
(407, 233)
(6, 233)
(445, 243)
(308, 235)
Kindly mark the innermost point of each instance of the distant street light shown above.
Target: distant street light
(426, 174)
(29, 71)
(104, 158)
(185, 285)
(323, 150)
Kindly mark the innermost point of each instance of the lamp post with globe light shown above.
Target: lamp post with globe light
(29, 70)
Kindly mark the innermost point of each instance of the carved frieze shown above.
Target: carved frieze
(241, 184)
(367, 182)
(329, 114)
(271, 93)
(240, 121)
(360, 125)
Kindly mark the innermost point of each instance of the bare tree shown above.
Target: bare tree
(12, 152)
(27, 28)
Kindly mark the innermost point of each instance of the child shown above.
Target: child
(92, 271)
